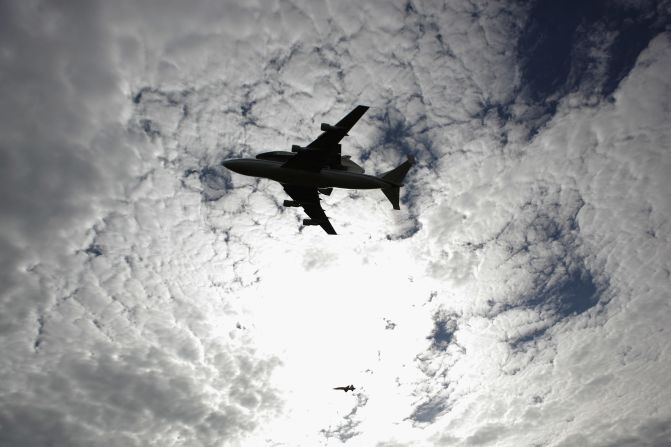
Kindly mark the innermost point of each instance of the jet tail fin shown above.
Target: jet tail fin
(395, 177)
(392, 194)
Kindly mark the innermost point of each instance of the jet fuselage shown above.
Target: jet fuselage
(325, 178)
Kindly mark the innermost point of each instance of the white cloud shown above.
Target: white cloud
(152, 297)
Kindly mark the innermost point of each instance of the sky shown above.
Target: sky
(520, 297)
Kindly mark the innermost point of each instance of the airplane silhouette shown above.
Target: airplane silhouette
(345, 388)
(306, 172)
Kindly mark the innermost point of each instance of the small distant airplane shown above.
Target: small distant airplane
(345, 388)
(306, 172)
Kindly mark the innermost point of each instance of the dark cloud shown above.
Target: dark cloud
(34, 426)
(653, 433)
(427, 412)
(486, 434)
(103, 399)
(65, 154)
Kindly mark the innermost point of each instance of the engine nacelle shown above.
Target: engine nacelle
(308, 222)
(296, 148)
(291, 203)
(327, 127)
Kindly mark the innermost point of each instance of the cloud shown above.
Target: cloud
(575, 303)
(347, 430)
(138, 397)
(152, 297)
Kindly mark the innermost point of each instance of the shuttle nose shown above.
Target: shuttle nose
(233, 165)
(244, 166)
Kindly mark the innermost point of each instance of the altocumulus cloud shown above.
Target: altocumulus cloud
(150, 297)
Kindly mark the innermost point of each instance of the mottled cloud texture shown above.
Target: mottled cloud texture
(151, 297)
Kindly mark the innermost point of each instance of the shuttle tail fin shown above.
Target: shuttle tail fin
(397, 174)
(395, 177)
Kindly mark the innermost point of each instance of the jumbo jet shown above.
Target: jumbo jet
(317, 168)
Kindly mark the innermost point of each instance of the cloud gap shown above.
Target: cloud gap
(444, 328)
(545, 242)
(579, 46)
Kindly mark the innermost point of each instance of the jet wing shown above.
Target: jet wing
(309, 200)
(331, 137)
(325, 150)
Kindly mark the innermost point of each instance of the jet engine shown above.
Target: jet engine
(291, 203)
(307, 222)
(296, 148)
